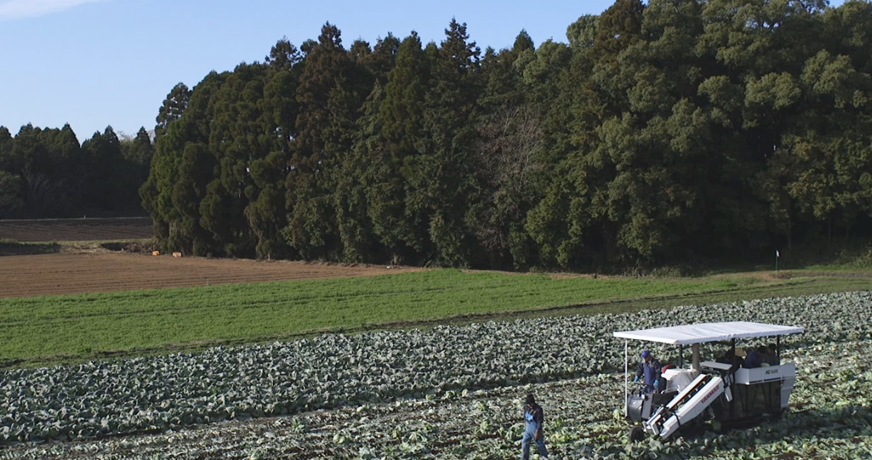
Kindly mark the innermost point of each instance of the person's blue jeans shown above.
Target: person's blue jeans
(525, 443)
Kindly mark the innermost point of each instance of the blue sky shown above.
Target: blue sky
(93, 63)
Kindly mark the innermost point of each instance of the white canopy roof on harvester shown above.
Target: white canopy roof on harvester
(708, 332)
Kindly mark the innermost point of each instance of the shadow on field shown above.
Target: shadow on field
(845, 423)
(24, 249)
(824, 428)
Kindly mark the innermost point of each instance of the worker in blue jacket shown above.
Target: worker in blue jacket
(757, 357)
(649, 369)
(534, 418)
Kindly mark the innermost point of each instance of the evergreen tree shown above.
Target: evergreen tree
(661, 133)
(395, 136)
(582, 33)
(329, 95)
(10, 195)
(266, 211)
(140, 150)
(7, 161)
(283, 56)
(104, 166)
(382, 59)
(441, 180)
(181, 169)
(173, 108)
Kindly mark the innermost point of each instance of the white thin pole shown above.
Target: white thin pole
(626, 377)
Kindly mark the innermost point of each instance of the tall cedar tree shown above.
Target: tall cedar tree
(397, 138)
(442, 180)
(325, 98)
(662, 133)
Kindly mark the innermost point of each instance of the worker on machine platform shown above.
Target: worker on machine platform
(649, 369)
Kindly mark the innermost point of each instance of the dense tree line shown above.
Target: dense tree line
(661, 132)
(48, 173)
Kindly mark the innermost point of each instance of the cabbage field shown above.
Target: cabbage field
(446, 392)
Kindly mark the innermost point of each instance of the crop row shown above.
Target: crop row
(97, 399)
(830, 417)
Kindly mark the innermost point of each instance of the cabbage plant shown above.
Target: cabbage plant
(446, 392)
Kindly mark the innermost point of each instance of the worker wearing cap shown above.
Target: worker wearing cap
(649, 369)
(534, 418)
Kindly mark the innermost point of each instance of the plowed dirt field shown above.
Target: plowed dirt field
(51, 274)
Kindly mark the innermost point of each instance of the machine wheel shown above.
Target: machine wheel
(637, 434)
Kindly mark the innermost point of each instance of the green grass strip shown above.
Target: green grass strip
(50, 329)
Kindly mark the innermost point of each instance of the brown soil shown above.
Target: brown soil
(87, 229)
(101, 271)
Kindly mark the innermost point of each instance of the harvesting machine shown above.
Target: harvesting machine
(707, 390)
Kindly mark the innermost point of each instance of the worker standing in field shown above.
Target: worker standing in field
(534, 418)
(649, 369)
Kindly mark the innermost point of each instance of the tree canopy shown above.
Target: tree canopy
(48, 173)
(661, 132)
